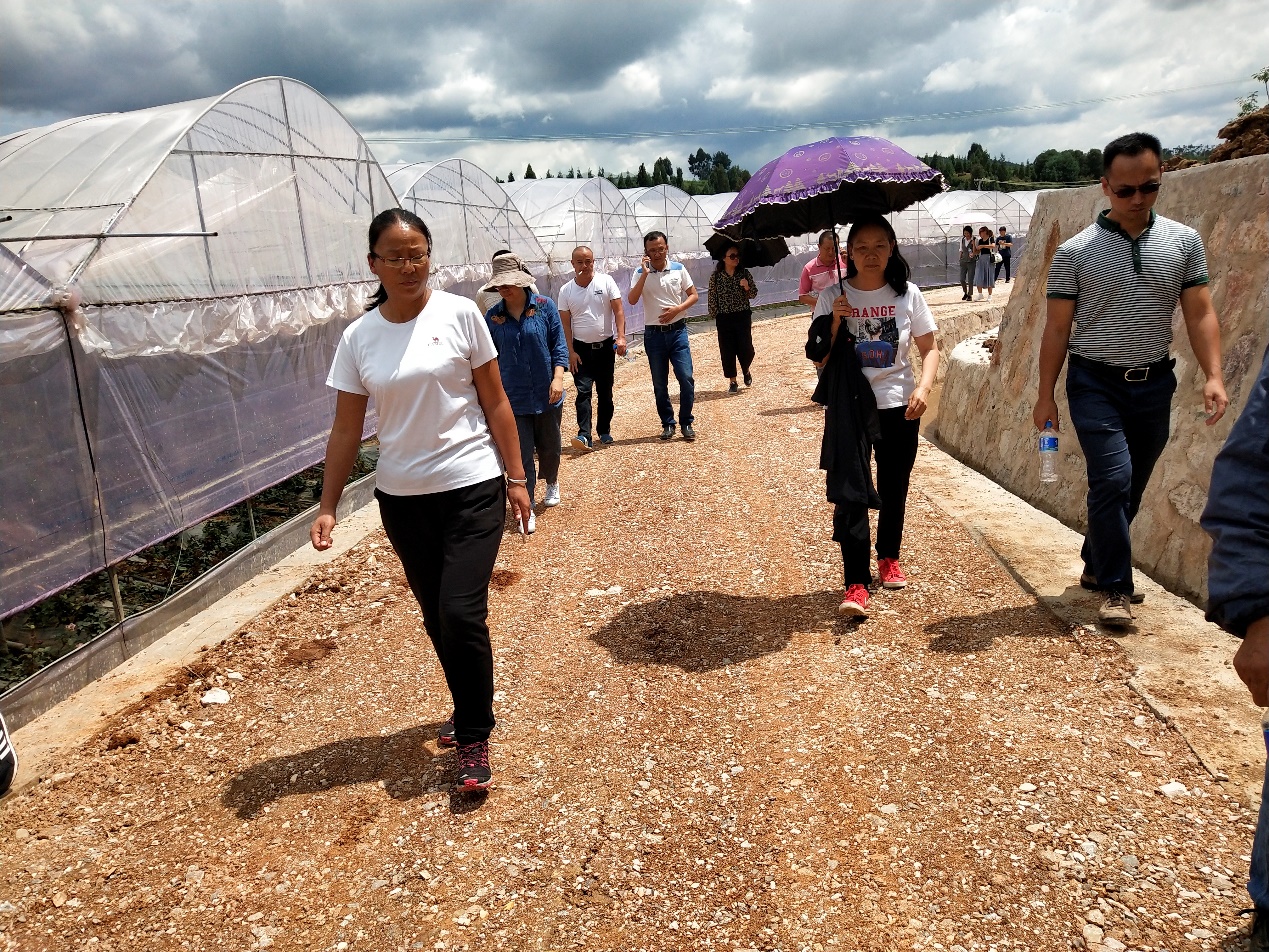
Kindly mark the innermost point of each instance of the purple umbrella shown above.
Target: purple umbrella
(835, 181)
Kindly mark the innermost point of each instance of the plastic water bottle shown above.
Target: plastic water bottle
(1048, 453)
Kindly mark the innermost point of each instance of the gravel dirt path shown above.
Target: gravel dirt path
(693, 751)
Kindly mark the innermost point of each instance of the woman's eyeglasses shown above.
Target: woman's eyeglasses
(1128, 191)
(416, 260)
(732, 257)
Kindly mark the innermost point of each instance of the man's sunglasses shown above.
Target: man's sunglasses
(1128, 191)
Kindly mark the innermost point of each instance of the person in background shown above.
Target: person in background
(820, 271)
(595, 332)
(985, 269)
(1112, 290)
(969, 261)
(731, 288)
(8, 758)
(1004, 248)
(880, 316)
(667, 292)
(1237, 519)
(445, 427)
(487, 299)
(532, 358)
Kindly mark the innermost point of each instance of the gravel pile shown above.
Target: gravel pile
(693, 751)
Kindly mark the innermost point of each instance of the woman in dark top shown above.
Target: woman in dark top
(731, 288)
(985, 270)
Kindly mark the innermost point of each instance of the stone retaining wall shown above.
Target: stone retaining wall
(985, 411)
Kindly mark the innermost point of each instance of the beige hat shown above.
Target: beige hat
(508, 269)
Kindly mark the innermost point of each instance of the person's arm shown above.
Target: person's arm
(341, 454)
(636, 286)
(566, 319)
(712, 299)
(1057, 336)
(746, 282)
(1251, 661)
(619, 319)
(1204, 331)
(559, 352)
(688, 303)
(929, 350)
(502, 427)
(805, 293)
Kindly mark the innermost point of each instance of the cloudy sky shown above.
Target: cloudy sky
(607, 84)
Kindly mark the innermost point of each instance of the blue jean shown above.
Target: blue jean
(1258, 880)
(1122, 428)
(540, 432)
(670, 349)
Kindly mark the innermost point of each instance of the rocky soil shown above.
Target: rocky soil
(693, 750)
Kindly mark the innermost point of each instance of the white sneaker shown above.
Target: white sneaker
(552, 495)
(978, 296)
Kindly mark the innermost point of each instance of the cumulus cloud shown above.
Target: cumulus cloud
(623, 84)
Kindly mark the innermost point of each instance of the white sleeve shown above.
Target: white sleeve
(824, 304)
(921, 316)
(613, 292)
(687, 278)
(562, 302)
(482, 345)
(344, 374)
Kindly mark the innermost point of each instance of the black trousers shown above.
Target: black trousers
(735, 341)
(595, 367)
(896, 454)
(1003, 263)
(447, 543)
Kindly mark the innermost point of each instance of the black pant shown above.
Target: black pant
(595, 366)
(540, 433)
(447, 543)
(896, 454)
(1003, 263)
(735, 340)
(967, 274)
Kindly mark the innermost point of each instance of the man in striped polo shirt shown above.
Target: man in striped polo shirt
(1117, 284)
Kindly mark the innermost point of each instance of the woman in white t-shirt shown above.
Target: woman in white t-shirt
(445, 428)
(885, 314)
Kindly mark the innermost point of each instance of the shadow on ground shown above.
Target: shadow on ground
(701, 631)
(784, 411)
(1079, 606)
(969, 633)
(401, 761)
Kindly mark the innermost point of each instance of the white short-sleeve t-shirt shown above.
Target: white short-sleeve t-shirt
(591, 310)
(432, 432)
(884, 324)
(663, 289)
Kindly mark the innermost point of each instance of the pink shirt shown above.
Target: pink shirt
(816, 276)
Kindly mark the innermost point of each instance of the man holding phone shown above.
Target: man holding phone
(667, 292)
(1111, 293)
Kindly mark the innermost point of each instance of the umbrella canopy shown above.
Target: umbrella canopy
(835, 181)
(754, 253)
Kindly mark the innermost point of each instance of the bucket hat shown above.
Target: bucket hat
(508, 269)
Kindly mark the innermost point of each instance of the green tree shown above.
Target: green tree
(570, 173)
(678, 177)
(1247, 104)
(700, 165)
(718, 180)
(529, 173)
(511, 176)
(1263, 77)
(642, 178)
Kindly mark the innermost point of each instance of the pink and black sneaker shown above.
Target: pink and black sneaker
(445, 737)
(474, 774)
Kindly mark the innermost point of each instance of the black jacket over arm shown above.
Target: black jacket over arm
(850, 417)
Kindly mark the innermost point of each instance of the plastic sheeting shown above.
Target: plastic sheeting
(470, 217)
(219, 250)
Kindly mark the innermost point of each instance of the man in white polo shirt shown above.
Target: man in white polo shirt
(595, 330)
(1111, 293)
(667, 292)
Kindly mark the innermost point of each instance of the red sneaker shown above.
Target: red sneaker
(891, 574)
(855, 603)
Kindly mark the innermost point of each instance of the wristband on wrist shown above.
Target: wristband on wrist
(517, 482)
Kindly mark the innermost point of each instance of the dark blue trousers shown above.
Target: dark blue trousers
(1122, 427)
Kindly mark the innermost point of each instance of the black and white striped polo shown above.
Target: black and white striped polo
(1125, 290)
